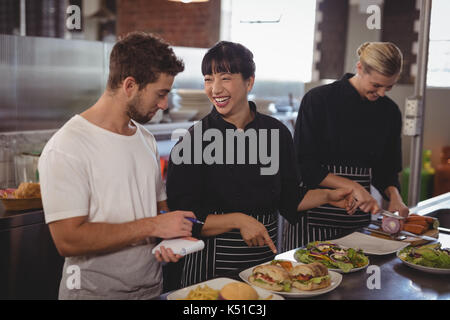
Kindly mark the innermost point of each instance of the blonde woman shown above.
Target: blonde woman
(348, 134)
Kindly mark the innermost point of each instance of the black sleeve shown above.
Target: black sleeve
(386, 171)
(292, 188)
(184, 185)
(307, 129)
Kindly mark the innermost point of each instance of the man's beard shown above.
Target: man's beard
(134, 114)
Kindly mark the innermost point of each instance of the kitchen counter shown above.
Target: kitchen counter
(31, 266)
(16, 219)
(397, 280)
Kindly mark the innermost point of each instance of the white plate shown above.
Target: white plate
(369, 244)
(335, 278)
(218, 284)
(423, 268)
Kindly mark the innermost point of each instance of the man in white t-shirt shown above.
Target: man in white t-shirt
(101, 181)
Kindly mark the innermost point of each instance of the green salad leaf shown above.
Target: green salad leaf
(332, 256)
(428, 256)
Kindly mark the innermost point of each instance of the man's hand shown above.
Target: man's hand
(173, 224)
(167, 255)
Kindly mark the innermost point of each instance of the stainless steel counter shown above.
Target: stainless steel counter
(31, 267)
(398, 281)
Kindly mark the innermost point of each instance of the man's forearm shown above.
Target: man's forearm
(93, 238)
(76, 236)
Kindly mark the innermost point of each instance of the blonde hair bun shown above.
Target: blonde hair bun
(362, 48)
(382, 57)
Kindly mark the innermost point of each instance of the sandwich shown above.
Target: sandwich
(307, 277)
(271, 277)
(238, 291)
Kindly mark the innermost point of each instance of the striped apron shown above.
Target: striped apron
(226, 253)
(327, 222)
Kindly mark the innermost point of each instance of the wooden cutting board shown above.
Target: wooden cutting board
(412, 240)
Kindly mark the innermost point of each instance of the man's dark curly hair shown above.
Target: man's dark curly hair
(142, 56)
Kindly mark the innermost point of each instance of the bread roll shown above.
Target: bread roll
(238, 291)
(28, 190)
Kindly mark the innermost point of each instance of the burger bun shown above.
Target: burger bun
(238, 291)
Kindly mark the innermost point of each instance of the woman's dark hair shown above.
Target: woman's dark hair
(142, 56)
(230, 57)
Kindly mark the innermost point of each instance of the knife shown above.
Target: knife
(406, 233)
(390, 214)
(393, 237)
(402, 234)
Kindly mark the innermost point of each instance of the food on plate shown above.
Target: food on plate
(332, 256)
(307, 277)
(26, 190)
(414, 228)
(238, 291)
(7, 193)
(420, 224)
(414, 223)
(430, 255)
(285, 264)
(271, 277)
(391, 225)
(203, 293)
(416, 217)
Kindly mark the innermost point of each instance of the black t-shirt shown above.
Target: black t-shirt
(223, 188)
(336, 126)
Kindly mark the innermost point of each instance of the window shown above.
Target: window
(279, 33)
(439, 47)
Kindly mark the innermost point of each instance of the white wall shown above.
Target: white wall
(436, 133)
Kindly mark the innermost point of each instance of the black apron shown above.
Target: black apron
(226, 253)
(328, 222)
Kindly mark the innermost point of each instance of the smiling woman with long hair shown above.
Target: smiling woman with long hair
(348, 134)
